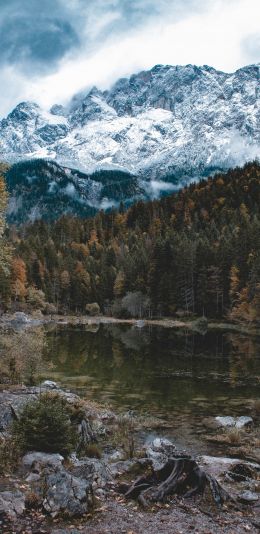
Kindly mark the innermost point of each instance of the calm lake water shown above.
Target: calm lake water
(178, 376)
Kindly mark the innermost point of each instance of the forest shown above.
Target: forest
(196, 252)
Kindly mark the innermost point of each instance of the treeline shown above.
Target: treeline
(197, 251)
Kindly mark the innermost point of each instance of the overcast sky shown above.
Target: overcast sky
(52, 49)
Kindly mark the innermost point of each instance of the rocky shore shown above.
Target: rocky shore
(121, 485)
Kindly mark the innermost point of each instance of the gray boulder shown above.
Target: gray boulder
(49, 384)
(11, 405)
(248, 497)
(93, 470)
(218, 466)
(159, 451)
(21, 317)
(39, 460)
(244, 421)
(235, 422)
(66, 494)
(12, 504)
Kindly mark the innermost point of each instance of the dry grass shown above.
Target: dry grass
(257, 407)
(92, 450)
(123, 435)
(234, 436)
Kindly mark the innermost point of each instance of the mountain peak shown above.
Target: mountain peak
(153, 123)
(24, 110)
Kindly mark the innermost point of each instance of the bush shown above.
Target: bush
(50, 309)
(9, 454)
(93, 309)
(45, 426)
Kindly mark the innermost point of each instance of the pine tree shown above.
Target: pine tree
(5, 248)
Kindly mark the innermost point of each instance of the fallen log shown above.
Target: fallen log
(181, 476)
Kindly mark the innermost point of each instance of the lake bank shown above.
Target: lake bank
(112, 471)
(200, 324)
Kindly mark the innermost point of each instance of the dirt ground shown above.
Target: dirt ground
(117, 516)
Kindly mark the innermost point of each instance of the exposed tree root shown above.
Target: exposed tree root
(180, 476)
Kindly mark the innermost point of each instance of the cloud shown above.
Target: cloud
(35, 35)
(51, 49)
(251, 47)
(37, 46)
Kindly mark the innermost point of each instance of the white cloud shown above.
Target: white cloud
(213, 36)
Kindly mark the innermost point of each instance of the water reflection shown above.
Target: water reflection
(179, 376)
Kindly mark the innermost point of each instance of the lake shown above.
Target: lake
(179, 376)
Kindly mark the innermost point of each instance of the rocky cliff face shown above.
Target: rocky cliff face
(184, 121)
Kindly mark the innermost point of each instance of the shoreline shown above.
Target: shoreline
(198, 325)
(109, 474)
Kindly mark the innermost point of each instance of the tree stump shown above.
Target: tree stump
(181, 476)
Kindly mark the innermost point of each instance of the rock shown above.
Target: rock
(116, 456)
(200, 325)
(49, 384)
(39, 460)
(12, 504)
(11, 405)
(129, 466)
(33, 477)
(236, 422)
(140, 323)
(159, 451)
(226, 421)
(66, 494)
(218, 466)
(93, 470)
(21, 317)
(244, 421)
(211, 423)
(248, 497)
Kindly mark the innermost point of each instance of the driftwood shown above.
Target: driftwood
(181, 476)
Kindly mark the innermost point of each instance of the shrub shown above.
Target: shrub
(9, 454)
(93, 309)
(45, 426)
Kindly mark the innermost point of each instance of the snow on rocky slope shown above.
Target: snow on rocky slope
(183, 121)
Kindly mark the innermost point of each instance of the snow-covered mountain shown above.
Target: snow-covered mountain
(180, 120)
